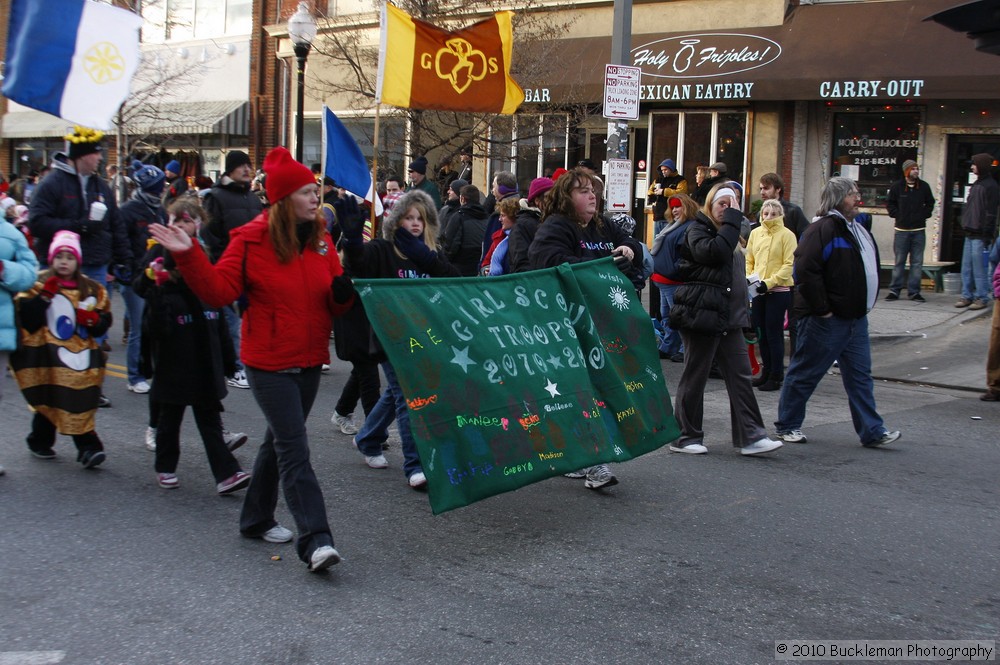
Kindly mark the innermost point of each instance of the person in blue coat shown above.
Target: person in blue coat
(18, 269)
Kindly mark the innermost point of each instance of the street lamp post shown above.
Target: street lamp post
(302, 31)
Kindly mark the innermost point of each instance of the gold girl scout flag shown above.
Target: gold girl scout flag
(425, 67)
(518, 378)
(73, 59)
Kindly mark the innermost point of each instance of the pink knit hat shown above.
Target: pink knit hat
(65, 240)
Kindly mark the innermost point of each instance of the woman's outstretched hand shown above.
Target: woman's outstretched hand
(172, 238)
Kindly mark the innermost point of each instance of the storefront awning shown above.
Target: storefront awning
(225, 117)
(845, 53)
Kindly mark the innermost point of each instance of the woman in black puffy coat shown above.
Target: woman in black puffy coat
(710, 310)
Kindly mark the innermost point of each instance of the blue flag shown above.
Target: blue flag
(343, 161)
(73, 59)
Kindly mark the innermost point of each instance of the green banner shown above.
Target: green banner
(514, 379)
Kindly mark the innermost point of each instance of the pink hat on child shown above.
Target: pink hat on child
(65, 240)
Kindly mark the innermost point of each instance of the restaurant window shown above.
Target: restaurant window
(528, 145)
(698, 138)
(871, 148)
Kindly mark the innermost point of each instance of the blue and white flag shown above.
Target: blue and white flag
(72, 58)
(343, 161)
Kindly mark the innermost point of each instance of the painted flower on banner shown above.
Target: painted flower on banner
(619, 298)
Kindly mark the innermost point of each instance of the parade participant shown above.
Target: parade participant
(769, 258)
(710, 310)
(18, 270)
(666, 275)
(528, 218)
(75, 198)
(408, 249)
(418, 180)
(188, 348)
(504, 187)
(137, 214)
(284, 261)
(836, 285)
(992, 393)
(573, 232)
(462, 237)
(59, 366)
(499, 264)
(230, 204)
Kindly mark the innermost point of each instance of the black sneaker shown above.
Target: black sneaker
(917, 298)
(892, 296)
(92, 458)
(103, 402)
(46, 453)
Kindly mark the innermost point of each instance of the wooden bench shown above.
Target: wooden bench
(932, 270)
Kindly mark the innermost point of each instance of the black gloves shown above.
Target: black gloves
(761, 288)
(343, 289)
(414, 249)
(622, 263)
(732, 216)
(349, 218)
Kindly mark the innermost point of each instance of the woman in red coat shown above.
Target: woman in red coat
(285, 264)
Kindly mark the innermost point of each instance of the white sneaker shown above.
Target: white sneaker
(599, 476)
(795, 436)
(377, 461)
(886, 438)
(239, 380)
(322, 558)
(345, 423)
(277, 534)
(374, 461)
(324, 368)
(139, 388)
(418, 480)
(151, 438)
(691, 449)
(761, 447)
(233, 439)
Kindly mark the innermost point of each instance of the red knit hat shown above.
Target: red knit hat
(284, 174)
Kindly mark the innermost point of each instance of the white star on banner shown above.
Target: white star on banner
(552, 388)
(462, 359)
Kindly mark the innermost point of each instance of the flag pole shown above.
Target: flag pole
(378, 108)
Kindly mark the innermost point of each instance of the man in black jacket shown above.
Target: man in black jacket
(772, 187)
(979, 224)
(462, 237)
(230, 204)
(836, 285)
(716, 174)
(910, 203)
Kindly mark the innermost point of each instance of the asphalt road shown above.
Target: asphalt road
(691, 559)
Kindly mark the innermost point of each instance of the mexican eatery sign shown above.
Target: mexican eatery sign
(704, 55)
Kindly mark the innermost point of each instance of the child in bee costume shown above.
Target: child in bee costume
(60, 367)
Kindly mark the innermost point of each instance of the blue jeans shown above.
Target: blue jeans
(134, 306)
(375, 431)
(975, 283)
(908, 244)
(100, 275)
(233, 321)
(283, 458)
(820, 342)
(672, 342)
(658, 226)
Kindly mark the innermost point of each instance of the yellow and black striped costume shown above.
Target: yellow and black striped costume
(59, 367)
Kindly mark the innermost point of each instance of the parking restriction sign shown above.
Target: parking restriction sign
(621, 92)
(618, 190)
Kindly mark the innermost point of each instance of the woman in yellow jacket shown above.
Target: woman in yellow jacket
(770, 250)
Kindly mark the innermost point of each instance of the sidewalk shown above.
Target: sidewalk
(932, 343)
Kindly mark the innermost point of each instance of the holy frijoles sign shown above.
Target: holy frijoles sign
(514, 379)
